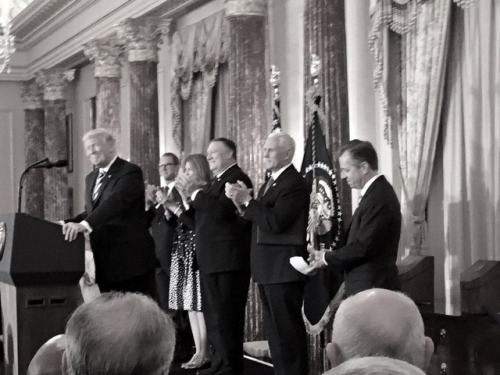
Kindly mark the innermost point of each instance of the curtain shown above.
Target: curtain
(471, 156)
(197, 116)
(221, 104)
(414, 105)
(198, 51)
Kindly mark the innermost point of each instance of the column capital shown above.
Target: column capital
(142, 36)
(54, 81)
(245, 8)
(105, 53)
(31, 95)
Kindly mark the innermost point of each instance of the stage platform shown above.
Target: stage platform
(252, 367)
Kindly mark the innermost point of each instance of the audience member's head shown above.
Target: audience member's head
(379, 323)
(119, 334)
(375, 366)
(48, 359)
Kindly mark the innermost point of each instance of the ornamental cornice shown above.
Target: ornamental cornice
(245, 8)
(31, 95)
(51, 32)
(36, 14)
(54, 82)
(106, 55)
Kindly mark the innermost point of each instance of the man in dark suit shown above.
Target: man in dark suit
(222, 241)
(163, 222)
(369, 255)
(279, 218)
(115, 218)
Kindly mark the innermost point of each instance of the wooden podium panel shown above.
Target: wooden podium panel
(480, 288)
(416, 274)
(463, 345)
(39, 273)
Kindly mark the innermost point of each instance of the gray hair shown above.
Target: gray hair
(284, 140)
(119, 334)
(375, 366)
(380, 323)
(105, 134)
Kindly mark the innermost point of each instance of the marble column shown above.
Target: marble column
(105, 53)
(34, 145)
(249, 102)
(249, 114)
(57, 201)
(325, 36)
(141, 38)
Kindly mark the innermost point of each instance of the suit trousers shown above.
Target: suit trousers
(162, 288)
(144, 284)
(224, 296)
(284, 325)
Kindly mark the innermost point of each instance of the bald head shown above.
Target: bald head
(278, 151)
(380, 322)
(375, 366)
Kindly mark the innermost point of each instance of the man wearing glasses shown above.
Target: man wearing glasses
(163, 222)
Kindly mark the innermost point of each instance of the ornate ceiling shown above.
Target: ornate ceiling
(11, 8)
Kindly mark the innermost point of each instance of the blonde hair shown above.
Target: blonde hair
(200, 167)
(105, 134)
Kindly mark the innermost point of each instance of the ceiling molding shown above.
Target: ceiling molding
(52, 32)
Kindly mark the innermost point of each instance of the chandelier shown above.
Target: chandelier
(6, 47)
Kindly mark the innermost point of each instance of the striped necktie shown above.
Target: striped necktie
(98, 184)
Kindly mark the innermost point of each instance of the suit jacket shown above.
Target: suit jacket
(163, 230)
(122, 246)
(279, 228)
(369, 255)
(222, 237)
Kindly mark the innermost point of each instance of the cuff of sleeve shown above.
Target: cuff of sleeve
(324, 259)
(86, 225)
(193, 196)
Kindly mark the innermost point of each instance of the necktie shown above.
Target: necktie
(268, 185)
(98, 184)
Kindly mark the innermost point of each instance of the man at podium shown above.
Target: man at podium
(115, 219)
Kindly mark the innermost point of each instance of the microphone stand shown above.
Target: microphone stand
(21, 180)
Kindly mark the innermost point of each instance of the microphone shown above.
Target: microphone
(44, 163)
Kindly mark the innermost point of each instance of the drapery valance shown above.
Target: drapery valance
(197, 48)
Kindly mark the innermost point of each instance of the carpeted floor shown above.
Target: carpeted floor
(252, 367)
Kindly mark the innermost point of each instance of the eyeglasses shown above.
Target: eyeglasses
(166, 165)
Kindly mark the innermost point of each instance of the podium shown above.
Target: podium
(39, 274)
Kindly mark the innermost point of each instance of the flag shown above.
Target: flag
(276, 115)
(276, 123)
(324, 290)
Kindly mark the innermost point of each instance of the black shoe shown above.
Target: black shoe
(208, 371)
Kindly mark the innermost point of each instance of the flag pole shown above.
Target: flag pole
(275, 81)
(315, 72)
